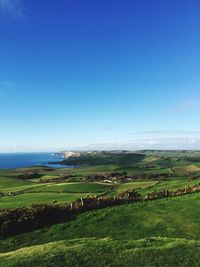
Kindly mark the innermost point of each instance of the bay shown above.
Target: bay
(19, 160)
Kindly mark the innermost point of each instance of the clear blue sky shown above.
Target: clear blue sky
(99, 74)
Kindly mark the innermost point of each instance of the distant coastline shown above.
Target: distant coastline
(22, 160)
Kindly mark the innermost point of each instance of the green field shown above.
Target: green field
(163, 232)
(136, 185)
(73, 188)
(155, 231)
(49, 193)
(6, 182)
(169, 185)
(107, 252)
(149, 171)
(40, 197)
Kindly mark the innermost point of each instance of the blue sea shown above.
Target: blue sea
(18, 160)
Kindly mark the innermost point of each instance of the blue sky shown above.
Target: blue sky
(106, 74)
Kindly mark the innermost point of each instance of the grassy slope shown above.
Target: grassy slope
(169, 185)
(170, 218)
(101, 158)
(186, 169)
(6, 182)
(117, 236)
(21, 188)
(107, 252)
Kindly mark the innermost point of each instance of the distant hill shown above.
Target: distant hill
(104, 157)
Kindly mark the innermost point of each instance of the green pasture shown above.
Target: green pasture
(186, 169)
(135, 185)
(39, 197)
(6, 182)
(107, 252)
(176, 217)
(48, 193)
(161, 233)
(169, 185)
(73, 188)
(21, 188)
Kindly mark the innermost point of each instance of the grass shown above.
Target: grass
(172, 218)
(146, 169)
(186, 169)
(107, 252)
(156, 233)
(40, 197)
(20, 188)
(106, 158)
(135, 185)
(49, 193)
(169, 185)
(6, 182)
(73, 188)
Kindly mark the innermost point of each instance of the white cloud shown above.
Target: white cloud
(165, 139)
(171, 143)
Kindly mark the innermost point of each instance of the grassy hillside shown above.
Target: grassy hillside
(107, 252)
(174, 217)
(142, 234)
(136, 185)
(101, 158)
(6, 182)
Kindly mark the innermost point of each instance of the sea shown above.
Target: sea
(19, 160)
